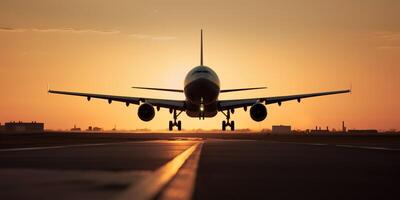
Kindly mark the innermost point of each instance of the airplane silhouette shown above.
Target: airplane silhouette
(201, 89)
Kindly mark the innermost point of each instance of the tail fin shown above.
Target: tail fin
(201, 47)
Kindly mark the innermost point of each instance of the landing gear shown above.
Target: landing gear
(176, 123)
(229, 123)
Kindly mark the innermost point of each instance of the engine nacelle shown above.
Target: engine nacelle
(258, 112)
(146, 112)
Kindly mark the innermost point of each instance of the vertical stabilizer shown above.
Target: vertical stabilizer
(201, 47)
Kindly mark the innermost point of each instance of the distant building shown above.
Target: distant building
(344, 129)
(281, 129)
(319, 130)
(97, 129)
(90, 128)
(24, 127)
(75, 128)
(2, 128)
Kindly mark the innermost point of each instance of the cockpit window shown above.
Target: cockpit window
(201, 71)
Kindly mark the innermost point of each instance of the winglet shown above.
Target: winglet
(351, 88)
(201, 47)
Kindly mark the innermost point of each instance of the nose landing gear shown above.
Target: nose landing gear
(178, 124)
(229, 123)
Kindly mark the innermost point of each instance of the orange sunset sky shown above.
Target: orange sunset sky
(292, 47)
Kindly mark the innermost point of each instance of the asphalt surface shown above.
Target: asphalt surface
(268, 170)
(221, 166)
(93, 171)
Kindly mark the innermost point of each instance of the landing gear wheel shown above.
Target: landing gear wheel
(232, 125)
(170, 125)
(179, 125)
(223, 125)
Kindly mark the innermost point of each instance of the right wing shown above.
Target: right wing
(163, 103)
(239, 103)
(242, 89)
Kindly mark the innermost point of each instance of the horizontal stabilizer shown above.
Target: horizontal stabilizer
(242, 89)
(159, 89)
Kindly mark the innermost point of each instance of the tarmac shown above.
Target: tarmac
(198, 166)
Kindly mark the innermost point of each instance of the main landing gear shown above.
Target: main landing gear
(178, 124)
(226, 123)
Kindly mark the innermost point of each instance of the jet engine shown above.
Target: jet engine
(258, 112)
(146, 112)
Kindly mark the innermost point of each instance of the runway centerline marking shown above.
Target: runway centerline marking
(152, 185)
(183, 184)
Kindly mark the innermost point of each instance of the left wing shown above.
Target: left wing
(163, 103)
(239, 103)
(159, 89)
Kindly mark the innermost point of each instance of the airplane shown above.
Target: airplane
(201, 89)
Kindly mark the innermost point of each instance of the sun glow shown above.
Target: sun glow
(289, 47)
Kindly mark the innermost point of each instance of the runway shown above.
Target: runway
(167, 166)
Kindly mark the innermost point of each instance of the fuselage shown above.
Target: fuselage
(201, 89)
